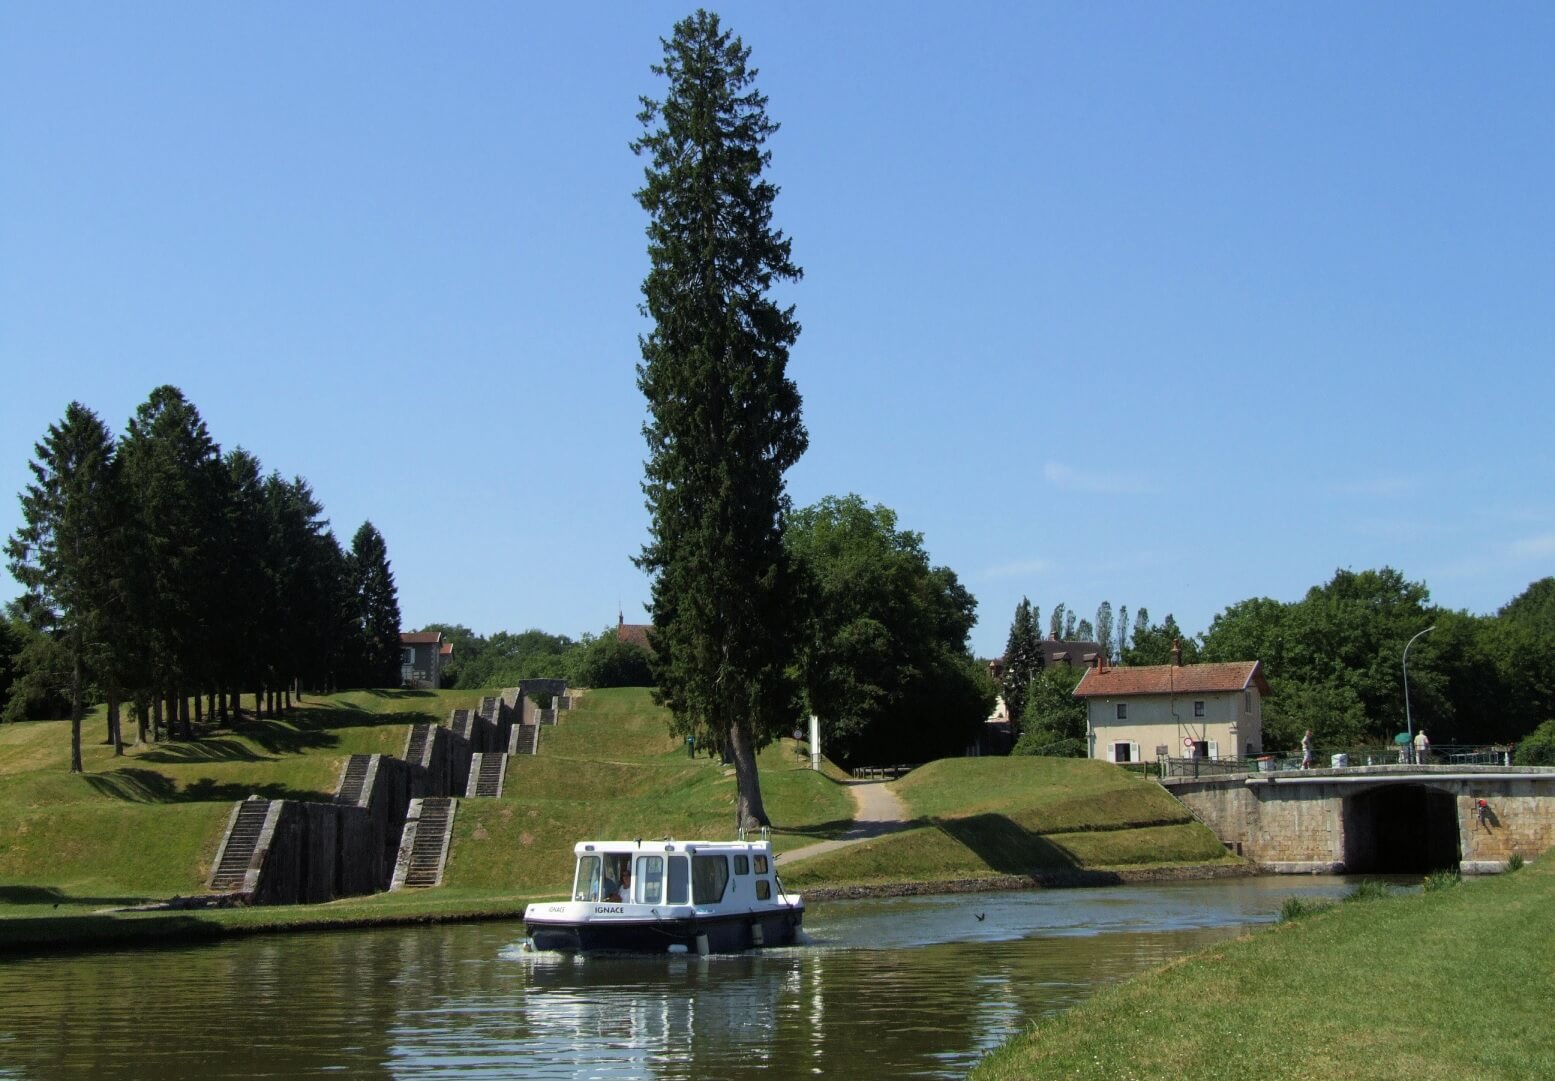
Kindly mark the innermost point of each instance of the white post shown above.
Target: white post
(815, 742)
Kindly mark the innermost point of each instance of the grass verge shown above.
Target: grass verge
(1438, 985)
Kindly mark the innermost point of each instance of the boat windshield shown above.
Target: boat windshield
(585, 885)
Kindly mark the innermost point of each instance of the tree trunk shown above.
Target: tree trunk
(156, 719)
(288, 705)
(185, 732)
(115, 725)
(199, 709)
(749, 813)
(75, 711)
(220, 704)
(140, 721)
(210, 705)
(259, 703)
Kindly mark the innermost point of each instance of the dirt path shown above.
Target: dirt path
(877, 811)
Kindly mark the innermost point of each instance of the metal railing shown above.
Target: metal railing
(1340, 758)
(882, 772)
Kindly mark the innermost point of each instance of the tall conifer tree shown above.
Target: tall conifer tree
(1022, 660)
(724, 419)
(65, 553)
(377, 608)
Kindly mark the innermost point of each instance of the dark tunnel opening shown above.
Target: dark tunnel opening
(1401, 829)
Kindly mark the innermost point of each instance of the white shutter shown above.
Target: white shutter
(1111, 746)
(1133, 751)
(1214, 749)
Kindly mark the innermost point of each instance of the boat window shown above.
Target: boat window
(679, 888)
(742, 865)
(585, 887)
(650, 880)
(709, 876)
(763, 890)
(618, 877)
(761, 865)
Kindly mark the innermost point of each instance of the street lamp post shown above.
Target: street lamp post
(1409, 725)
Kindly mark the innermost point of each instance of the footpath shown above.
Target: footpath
(877, 812)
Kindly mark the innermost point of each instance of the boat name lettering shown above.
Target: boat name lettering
(598, 909)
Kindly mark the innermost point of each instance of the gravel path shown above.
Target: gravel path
(877, 812)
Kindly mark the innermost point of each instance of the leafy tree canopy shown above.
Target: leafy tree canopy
(884, 660)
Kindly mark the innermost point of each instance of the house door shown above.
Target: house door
(1200, 749)
(1120, 752)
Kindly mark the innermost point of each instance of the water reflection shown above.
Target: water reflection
(917, 987)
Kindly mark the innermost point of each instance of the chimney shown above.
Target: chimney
(1176, 653)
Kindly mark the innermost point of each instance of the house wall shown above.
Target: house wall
(1227, 722)
(425, 666)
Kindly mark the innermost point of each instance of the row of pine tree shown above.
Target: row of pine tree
(167, 578)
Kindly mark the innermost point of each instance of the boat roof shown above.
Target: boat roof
(670, 844)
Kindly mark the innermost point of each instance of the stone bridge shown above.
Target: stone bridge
(1378, 819)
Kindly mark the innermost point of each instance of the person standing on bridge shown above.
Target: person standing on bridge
(1306, 750)
(1422, 747)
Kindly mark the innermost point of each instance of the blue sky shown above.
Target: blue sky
(1170, 305)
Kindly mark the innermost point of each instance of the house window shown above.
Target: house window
(1198, 707)
(1247, 702)
(1122, 711)
(408, 655)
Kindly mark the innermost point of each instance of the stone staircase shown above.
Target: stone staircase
(525, 739)
(486, 775)
(429, 825)
(353, 782)
(245, 836)
(418, 746)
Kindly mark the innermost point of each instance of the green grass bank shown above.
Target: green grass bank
(1450, 984)
(78, 851)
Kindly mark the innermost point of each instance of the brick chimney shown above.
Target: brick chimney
(1176, 653)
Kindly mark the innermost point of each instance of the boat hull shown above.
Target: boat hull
(731, 933)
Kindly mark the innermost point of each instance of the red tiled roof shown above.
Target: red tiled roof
(421, 638)
(636, 634)
(1172, 679)
(447, 650)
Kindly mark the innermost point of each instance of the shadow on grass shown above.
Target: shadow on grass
(382, 692)
(824, 831)
(149, 786)
(204, 750)
(43, 895)
(1005, 846)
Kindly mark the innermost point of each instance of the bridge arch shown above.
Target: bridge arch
(1401, 829)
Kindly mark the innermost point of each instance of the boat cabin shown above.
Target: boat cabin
(658, 874)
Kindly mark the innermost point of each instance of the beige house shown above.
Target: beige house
(1182, 711)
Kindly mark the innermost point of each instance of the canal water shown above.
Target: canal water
(905, 988)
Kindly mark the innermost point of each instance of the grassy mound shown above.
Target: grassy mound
(1436, 985)
(611, 771)
(146, 827)
(989, 817)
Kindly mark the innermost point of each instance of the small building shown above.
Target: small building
(1182, 711)
(634, 633)
(422, 656)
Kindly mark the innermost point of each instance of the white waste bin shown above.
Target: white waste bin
(1340, 761)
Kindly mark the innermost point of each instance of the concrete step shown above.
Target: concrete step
(418, 744)
(486, 775)
(424, 843)
(353, 782)
(525, 739)
(245, 833)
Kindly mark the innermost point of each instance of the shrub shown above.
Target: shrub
(1441, 880)
(1515, 863)
(1538, 747)
(1295, 908)
(1369, 890)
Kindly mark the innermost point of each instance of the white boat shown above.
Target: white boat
(669, 896)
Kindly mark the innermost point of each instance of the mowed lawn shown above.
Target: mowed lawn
(990, 817)
(1431, 986)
